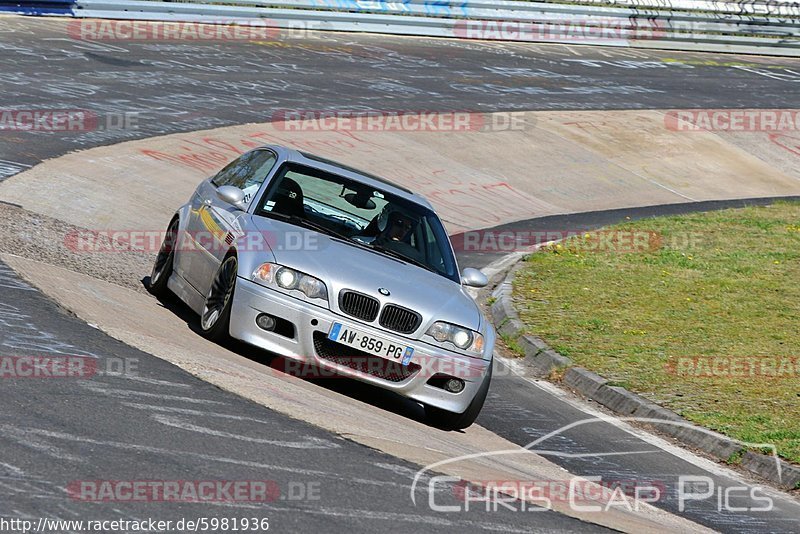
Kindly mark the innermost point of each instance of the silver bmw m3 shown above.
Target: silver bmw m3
(334, 269)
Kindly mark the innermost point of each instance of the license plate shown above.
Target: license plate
(357, 339)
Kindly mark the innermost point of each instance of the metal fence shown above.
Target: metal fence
(771, 28)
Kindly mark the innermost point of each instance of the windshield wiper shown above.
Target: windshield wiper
(399, 256)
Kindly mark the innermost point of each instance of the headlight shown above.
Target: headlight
(289, 279)
(460, 337)
(313, 287)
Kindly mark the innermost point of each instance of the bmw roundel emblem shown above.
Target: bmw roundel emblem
(383, 291)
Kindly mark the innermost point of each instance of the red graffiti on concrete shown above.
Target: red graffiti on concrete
(479, 205)
(212, 153)
(786, 142)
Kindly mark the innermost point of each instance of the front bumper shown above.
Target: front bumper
(251, 299)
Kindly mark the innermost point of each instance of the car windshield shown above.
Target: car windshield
(363, 215)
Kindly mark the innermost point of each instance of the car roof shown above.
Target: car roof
(328, 165)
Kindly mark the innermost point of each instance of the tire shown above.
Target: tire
(162, 267)
(458, 421)
(216, 316)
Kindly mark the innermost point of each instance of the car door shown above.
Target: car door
(214, 225)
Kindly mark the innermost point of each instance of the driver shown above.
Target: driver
(399, 227)
(396, 234)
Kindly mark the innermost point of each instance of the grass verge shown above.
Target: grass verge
(702, 317)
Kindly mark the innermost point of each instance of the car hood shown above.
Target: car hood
(344, 266)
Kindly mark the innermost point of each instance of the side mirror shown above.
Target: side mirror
(231, 195)
(473, 278)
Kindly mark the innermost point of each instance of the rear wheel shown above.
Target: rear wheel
(458, 421)
(162, 267)
(216, 317)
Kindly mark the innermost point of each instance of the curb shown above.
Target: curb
(542, 360)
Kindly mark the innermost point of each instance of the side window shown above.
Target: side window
(433, 252)
(247, 173)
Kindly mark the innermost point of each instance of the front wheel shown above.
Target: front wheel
(162, 267)
(458, 421)
(216, 317)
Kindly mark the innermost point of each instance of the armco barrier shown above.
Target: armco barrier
(770, 28)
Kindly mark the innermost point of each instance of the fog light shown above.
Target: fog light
(454, 385)
(265, 322)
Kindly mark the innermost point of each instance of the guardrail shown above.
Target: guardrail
(768, 28)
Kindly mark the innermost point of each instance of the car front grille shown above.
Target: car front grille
(399, 319)
(361, 361)
(359, 305)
